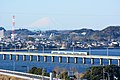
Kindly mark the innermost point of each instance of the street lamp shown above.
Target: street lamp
(107, 51)
(73, 46)
(91, 74)
(43, 48)
(58, 47)
(108, 76)
(13, 60)
(28, 48)
(89, 50)
(43, 74)
(103, 71)
(15, 47)
(106, 73)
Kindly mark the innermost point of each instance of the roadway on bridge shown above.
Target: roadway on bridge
(25, 76)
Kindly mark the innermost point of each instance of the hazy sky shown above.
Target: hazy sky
(60, 14)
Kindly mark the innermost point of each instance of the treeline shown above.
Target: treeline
(109, 72)
(63, 74)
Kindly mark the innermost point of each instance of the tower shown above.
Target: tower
(13, 25)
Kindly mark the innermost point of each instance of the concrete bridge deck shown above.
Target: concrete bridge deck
(52, 55)
(62, 55)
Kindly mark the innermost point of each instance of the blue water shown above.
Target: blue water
(24, 65)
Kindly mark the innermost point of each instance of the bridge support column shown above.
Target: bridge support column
(110, 61)
(60, 59)
(118, 62)
(38, 58)
(31, 57)
(84, 61)
(4, 56)
(52, 58)
(45, 58)
(101, 61)
(24, 57)
(68, 59)
(75, 60)
(92, 60)
(17, 57)
(10, 56)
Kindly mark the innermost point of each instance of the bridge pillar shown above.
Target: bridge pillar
(101, 61)
(38, 58)
(4, 56)
(17, 57)
(110, 61)
(118, 62)
(92, 60)
(31, 57)
(60, 59)
(45, 58)
(24, 57)
(84, 61)
(10, 56)
(75, 60)
(52, 58)
(68, 59)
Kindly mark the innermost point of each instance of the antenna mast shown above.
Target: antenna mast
(13, 25)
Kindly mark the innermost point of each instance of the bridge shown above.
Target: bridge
(60, 56)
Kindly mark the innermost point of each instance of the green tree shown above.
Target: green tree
(38, 71)
(64, 76)
(32, 71)
(100, 72)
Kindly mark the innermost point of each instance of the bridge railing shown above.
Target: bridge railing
(11, 73)
(15, 72)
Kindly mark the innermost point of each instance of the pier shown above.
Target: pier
(60, 56)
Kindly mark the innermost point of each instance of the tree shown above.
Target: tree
(33, 70)
(100, 72)
(38, 71)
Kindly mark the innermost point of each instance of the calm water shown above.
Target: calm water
(24, 65)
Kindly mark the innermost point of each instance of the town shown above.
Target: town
(24, 39)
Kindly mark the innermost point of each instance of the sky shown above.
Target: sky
(60, 14)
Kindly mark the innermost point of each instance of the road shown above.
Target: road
(25, 76)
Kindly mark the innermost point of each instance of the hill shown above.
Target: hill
(20, 32)
(109, 33)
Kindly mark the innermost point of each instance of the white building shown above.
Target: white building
(1, 34)
(13, 36)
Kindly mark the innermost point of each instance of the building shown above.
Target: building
(1, 34)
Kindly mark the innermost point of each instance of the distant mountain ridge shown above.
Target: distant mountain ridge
(111, 32)
(20, 32)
